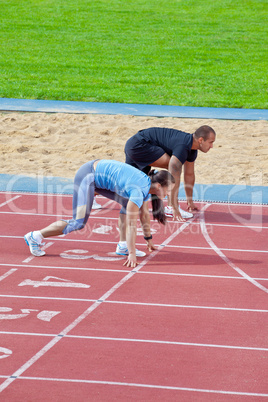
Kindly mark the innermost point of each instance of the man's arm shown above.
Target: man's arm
(175, 168)
(189, 181)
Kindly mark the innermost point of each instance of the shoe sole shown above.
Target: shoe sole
(183, 216)
(25, 238)
(142, 254)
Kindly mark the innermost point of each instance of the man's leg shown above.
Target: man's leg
(162, 162)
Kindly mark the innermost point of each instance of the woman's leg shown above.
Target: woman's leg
(83, 196)
(82, 203)
(55, 229)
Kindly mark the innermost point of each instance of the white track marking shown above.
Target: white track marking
(33, 256)
(36, 214)
(242, 226)
(185, 306)
(202, 345)
(124, 270)
(8, 201)
(4, 352)
(27, 333)
(135, 303)
(36, 194)
(4, 276)
(164, 387)
(235, 226)
(142, 244)
(59, 282)
(223, 256)
(136, 340)
(56, 339)
(223, 249)
(67, 268)
(104, 217)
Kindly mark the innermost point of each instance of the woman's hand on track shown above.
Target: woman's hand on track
(131, 261)
(150, 245)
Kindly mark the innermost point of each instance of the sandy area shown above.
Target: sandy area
(57, 144)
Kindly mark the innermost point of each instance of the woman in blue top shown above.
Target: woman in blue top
(120, 182)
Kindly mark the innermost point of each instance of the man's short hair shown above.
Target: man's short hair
(204, 132)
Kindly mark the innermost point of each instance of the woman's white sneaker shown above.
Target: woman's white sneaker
(121, 250)
(34, 246)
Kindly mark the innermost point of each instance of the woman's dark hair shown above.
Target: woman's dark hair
(164, 178)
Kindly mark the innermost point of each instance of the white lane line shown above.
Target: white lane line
(29, 259)
(36, 214)
(234, 204)
(203, 345)
(124, 270)
(223, 249)
(142, 244)
(242, 226)
(165, 387)
(186, 306)
(235, 226)
(152, 341)
(70, 268)
(37, 194)
(136, 303)
(56, 339)
(27, 333)
(224, 257)
(8, 201)
(4, 276)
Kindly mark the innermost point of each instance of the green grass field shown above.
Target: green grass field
(168, 52)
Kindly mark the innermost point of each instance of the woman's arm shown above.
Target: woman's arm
(131, 229)
(145, 223)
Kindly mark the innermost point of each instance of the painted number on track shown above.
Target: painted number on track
(78, 254)
(4, 352)
(44, 315)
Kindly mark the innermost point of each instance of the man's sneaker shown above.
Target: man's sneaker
(169, 211)
(124, 251)
(184, 214)
(95, 205)
(35, 248)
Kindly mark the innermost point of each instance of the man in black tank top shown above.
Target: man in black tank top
(170, 149)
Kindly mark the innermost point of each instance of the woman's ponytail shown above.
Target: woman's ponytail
(164, 178)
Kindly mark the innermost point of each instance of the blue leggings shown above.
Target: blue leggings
(83, 195)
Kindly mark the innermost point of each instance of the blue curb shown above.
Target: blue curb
(202, 192)
(41, 184)
(47, 106)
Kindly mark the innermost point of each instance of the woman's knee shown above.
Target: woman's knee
(74, 224)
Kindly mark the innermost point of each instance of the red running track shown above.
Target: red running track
(188, 324)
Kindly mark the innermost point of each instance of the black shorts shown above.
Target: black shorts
(141, 154)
